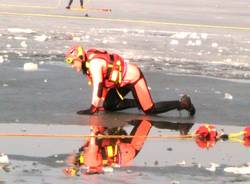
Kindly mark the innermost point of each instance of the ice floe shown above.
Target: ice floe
(204, 36)
(20, 38)
(1, 59)
(23, 44)
(214, 45)
(180, 35)
(228, 96)
(4, 159)
(19, 30)
(41, 38)
(194, 35)
(105, 41)
(212, 167)
(30, 67)
(238, 170)
(108, 169)
(175, 182)
(174, 42)
(190, 35)
(76, 38)
(182, 163)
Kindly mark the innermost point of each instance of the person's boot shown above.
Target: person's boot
(67, 7)
(185, 103)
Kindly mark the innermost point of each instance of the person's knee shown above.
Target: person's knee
(151, 110)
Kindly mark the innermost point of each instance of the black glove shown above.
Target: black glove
(89, 111)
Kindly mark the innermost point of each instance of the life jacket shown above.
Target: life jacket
(114, 63)
(110, 153)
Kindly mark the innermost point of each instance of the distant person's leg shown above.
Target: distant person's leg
(81, 3)
(70, 2)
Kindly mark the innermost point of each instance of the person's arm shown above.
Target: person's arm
(96, 72)
(93, 157)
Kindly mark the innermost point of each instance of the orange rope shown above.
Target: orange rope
(98, 136)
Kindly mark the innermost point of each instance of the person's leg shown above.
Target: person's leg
(81, 3)
(143, 96)
(70, 2)
(165, 106)
(114, 101)
(140, 132)
(130, 148)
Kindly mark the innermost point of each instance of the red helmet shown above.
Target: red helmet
(75, 53)
(246, 137)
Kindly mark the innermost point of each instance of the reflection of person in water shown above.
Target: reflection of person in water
(98, 153)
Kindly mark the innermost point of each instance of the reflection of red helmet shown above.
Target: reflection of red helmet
(206, 136)
(74, 53)
(246, 136)
(205, 143)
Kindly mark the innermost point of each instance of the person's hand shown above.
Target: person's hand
(93, 109)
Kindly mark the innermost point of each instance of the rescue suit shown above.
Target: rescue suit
(112, 79)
